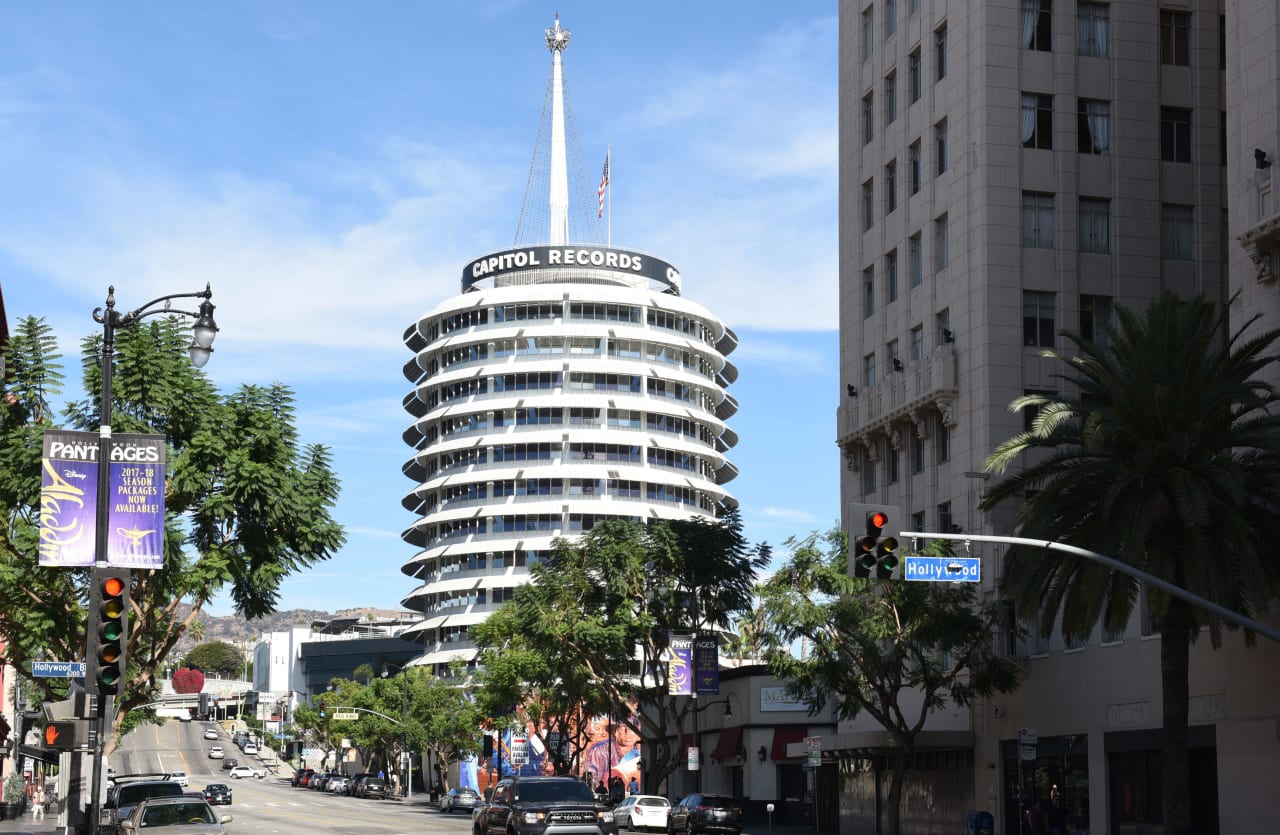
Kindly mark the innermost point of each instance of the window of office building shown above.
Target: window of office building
(916, 166)
(869, 371)
(1093, 126)
(890, 17)
(895, 361)
(1093, 20)
(891, 186)
(940, 145)
(868, 117)
(1095, 225)
(1177, 232)
(942, 327)
(1175, 38)
(868, 32)
(893, 464)
(1037, 120)
(946, 521)
(940, 254)
(868, 204)
(916, 248)
(944, 440)
(1037, 25)
(890, 97)
(1038, 319)
(891, 275)
(913, 74)
(1095, 314)
(868, 292)
(868, 472)
(1037, 220)
(940, 52)
(1030, 413)
(917, 343)
(1175, 134)
(917, 453)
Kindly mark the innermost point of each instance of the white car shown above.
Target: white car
(642, 811)
(246, 771)
(250, 748)
(179, 777)
(215, 752)
(210, 733)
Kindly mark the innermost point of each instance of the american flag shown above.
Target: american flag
(604, 185)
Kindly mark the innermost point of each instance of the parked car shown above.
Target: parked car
(642, 811)
(337, 784)
(179, 777)
(215, 752)
(300, 776)
(129, 791)
(457, 800)
(229, 763)
(319, 781)
(543, 806)
(218, 793)
(372, 787)
(246, 771)
(210, 733)
(705, 813)
(176, 815)
(250, 748)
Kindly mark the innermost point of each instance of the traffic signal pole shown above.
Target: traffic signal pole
(1116, 565)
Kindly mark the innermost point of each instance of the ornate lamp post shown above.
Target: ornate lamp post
(201, 347)
(406, 770)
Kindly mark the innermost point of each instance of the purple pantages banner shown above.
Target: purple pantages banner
(706, 666)
(135, 500)
(68, 492)
(680, 666)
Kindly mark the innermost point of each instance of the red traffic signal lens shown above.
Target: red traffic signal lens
(877, 519)
(113, 587)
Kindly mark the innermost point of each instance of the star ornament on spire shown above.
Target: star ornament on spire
(557, 38)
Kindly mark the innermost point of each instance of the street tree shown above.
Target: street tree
(247, 503)
(1164, 454)
(609, 601)
(219, 657)
(897, 651)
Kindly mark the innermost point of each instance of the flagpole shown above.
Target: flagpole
(608, 155)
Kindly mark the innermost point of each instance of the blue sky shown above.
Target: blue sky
(330, 167)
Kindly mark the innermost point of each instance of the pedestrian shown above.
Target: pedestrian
(37, 804)
(634, 786)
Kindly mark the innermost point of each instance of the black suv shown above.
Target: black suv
(705, 812)
(128, 792)
(543, 806)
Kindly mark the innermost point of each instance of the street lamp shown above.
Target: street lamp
(697, 743)
(201, 347)
(405, 765)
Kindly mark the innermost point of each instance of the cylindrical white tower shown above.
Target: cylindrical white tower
(567, 384)
(564, 386)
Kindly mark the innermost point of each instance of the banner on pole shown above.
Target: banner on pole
(680, 666)
(69, 493)
(706, 663)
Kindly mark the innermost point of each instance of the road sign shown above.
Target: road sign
(519, 750)
(943, 569)
(813, 744)
(1028, 736)
(345, 715)
(1027, 753)
(58, 669)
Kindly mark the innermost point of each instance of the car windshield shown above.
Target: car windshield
(176, 814)
(133, 795)
(551, 792)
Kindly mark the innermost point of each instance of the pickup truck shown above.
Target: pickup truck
(543, 806)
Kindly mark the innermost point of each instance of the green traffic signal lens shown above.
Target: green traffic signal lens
(111, 632)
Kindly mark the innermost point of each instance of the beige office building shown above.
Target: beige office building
(1010, 169)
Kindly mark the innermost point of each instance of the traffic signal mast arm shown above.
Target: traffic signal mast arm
(1114, 564)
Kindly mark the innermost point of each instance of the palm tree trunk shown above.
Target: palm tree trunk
(1175, 652)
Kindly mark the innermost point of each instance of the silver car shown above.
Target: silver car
(176, 815)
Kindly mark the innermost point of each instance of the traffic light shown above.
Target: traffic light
(488, 745)
(875, 552)
(108, 630)
(64, 734)
(320, 705)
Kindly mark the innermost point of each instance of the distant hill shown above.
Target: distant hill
(243, 633)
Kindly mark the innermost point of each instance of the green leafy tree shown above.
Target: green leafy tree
(247, 504)
(216, 657)
(869, 644)
(609, 600)
(1167, 457)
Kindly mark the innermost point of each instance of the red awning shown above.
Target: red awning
(729, 743)
(782, 737)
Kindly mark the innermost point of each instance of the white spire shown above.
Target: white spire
(557, 41)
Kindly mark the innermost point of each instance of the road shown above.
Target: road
(271, 805)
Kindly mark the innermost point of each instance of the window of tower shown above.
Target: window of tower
(622, 418)
(525, 312)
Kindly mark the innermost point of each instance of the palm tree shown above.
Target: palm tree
(1168, 459)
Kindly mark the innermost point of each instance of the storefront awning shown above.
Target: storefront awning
(729, 743)
(782, 737)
